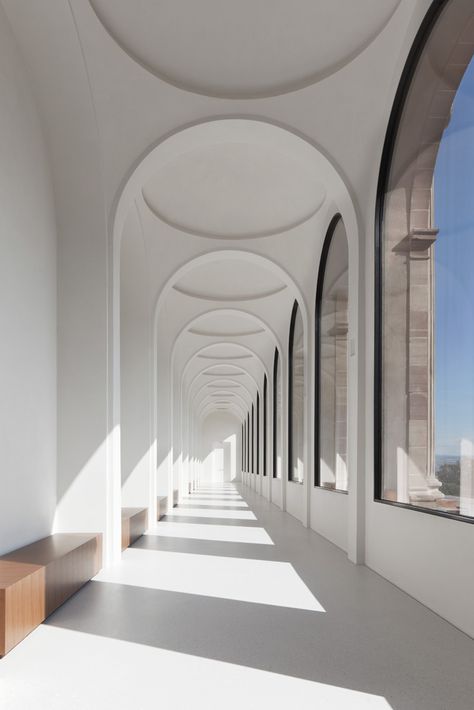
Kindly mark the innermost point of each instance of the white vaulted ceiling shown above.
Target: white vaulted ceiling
(245, 48)
(229, 280)
(235, 179)
(225, 136)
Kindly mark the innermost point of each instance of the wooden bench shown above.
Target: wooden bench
(36, 579)
(134, 525)
(161, 506)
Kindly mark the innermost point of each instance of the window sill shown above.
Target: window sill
(429, 511)
(331, 490)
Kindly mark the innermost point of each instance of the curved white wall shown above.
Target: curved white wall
(27, 311)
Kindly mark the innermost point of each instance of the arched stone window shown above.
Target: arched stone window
(332, 294)
(264, 426)
(296, 388)
(277, 414)
(248, 442)
(424, 407)
(257, 436)
(252, 445)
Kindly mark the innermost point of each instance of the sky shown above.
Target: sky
(454, 275)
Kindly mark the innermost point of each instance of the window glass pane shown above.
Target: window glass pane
(264, 426)
(296, 471)
(332, 376)
(257, 437)
(427, 289)
(277, 442)
(248, 443)
(252, 433)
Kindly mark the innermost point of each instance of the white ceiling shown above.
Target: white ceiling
(244, 49)
(224, 136)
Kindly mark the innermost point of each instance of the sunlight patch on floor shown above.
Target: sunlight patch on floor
(55, 668)
(219, 533)
(217, 502)
(217, 513)
(255, 581)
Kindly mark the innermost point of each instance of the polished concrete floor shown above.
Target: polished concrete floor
(230, 603)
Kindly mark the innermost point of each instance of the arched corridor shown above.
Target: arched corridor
(236, 385)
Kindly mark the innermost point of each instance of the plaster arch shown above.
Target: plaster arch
(212, 409)
(130, 188)
(194, 356)
(230, 254)
(223, 394)
(242, 370)
(226, 312)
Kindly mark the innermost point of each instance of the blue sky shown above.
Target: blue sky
(454, 274)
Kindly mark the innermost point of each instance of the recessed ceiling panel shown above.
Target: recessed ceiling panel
(244, 48)
(225, 357)
(221, 324)
(236, 190)
(229, 280)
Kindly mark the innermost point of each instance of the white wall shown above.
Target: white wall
(296, 499)
(329, 515)
(135, 367)
(220, 430)
(27, 311)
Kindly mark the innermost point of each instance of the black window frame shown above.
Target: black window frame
(264, 426)
(294, 313)
(252, 450)
(408, 74)
(276, 365)
(257, 436)
(248, 442)
(317, 352)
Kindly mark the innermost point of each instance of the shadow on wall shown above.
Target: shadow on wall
(81, 485)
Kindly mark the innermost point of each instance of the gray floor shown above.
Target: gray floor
(359, 641)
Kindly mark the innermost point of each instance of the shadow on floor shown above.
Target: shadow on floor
(373, 638)
(411, 673)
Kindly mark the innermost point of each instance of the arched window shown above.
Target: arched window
(252, 433)
(331, 361)
(245, 445)
(277, 414)
(248, 442)
(296, 397)
(264, 426)
(424, 407)
(257, 437)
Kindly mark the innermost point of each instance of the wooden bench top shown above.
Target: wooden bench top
(130, 512)
(36, 579)
(12, 572)
(50, 548)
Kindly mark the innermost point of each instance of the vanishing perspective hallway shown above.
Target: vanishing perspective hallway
(229, 602)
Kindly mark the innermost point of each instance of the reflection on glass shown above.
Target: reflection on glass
(296, 430)
(332, 376)
(427, 252)
(248, 442)
(252, 434)
(257, 437)
(264, 426)
(277, 414)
